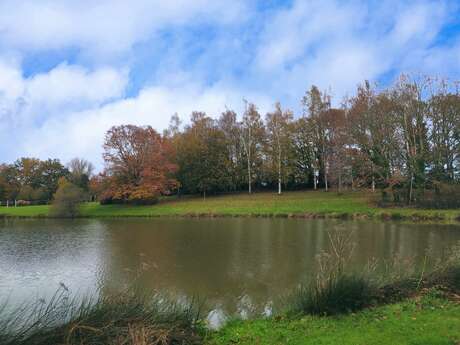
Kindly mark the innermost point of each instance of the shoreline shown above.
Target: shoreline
(411, 218)
(360, 205)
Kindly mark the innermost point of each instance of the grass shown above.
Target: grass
(289, 204)
(427, 320)
(348, 309)
(127, 318)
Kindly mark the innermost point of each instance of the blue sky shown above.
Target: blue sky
(71, 69)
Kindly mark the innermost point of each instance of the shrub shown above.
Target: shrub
(334, 291)
(339, 294)
(442, 196)
(67, 200)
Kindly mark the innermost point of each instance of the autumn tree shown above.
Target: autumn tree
(373, 130)
(231, 129)
(410, 114)
(81, 171)
(444, 131)
(67, 199)
(138, 163)
(304, 158)
(203, 156)
(279, 126)
(252, 134)
(316, 105)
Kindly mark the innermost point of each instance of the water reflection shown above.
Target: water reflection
(239, 265)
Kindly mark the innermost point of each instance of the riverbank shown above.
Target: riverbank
(423, 320)
(309, 204)
(430, 317)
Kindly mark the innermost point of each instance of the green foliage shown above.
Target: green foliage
(67, 199)
(202, 157)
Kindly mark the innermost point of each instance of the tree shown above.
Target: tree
(410, 113)
(36, 179)
(50, 171)
(444, 134)
(316, 104)
(67, 199)
(9, 185)
(375, 132)
(278, 124)
(304, 158)
(252, 137)
(81, 171)
(230, 128)
(203, 156)
(139, 164)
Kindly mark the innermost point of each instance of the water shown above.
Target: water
(238, 265)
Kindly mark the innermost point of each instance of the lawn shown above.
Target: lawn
(308, 204)
(429, 320)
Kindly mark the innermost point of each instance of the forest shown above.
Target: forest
(403, 141)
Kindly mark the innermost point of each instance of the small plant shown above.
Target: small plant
(67, 199)
(333, 291)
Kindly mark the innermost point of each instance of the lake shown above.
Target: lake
(238, 265)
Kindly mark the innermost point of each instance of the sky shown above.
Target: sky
(69, 70)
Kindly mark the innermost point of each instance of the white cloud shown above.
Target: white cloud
(264, 57)
(106, 26)
(28, 101)
(69, 84)
(82, 133)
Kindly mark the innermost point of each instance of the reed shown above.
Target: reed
(126, 318)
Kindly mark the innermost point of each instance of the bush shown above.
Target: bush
(334, 291)
(67, 200)
(442, 196)
(340, 294)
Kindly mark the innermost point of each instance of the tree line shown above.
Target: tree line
(35, 181)
(403, 140)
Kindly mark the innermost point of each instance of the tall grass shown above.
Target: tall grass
(127, 318)
(337, 289)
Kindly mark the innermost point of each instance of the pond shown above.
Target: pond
(238, 265)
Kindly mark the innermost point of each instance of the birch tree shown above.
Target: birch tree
(278, 129)
(252, 136)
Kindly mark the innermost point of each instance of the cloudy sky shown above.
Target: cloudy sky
(71, 69)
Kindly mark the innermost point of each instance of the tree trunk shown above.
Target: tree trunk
(340, 182)
(279, 168)
(325, 176)
(410, 188)
(314, 178)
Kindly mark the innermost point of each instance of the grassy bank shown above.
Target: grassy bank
(126, 318)
(294, 204)
(429, 317)
(426, 320)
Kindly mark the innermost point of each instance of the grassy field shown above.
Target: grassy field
(427, 320)
(301, 204)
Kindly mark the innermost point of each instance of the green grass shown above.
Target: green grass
(307, 204)
(430, 320)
